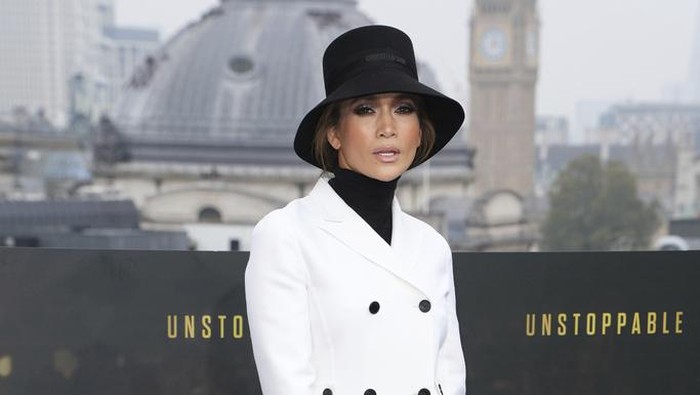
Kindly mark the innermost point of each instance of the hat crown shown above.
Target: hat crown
(365, 49)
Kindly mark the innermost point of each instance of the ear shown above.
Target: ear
(333, 138)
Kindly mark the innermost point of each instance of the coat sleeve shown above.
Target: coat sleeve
(277, 306)
(452, 373)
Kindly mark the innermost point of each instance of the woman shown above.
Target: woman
(347, 294)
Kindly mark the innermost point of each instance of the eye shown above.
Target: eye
(362, 109)
(406, 108)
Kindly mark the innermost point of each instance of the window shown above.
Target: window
(210, 215)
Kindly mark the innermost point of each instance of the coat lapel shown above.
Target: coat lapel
(343, 223)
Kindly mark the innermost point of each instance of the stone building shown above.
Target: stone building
(503, 71)
(62, 58)
(504, 62)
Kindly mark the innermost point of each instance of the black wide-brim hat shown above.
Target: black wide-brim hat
(371, 60)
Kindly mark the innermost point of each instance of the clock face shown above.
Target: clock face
(493, 44)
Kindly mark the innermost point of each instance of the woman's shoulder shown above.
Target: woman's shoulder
(426, 231)
(284, 219)
(299, 211)
(280, 216)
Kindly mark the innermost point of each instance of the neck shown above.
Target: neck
(370, 198)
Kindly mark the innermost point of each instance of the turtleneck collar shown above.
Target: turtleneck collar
(371, 199)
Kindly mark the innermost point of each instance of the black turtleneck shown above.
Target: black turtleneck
(371, 199)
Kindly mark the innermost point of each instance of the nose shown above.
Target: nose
(386, 125)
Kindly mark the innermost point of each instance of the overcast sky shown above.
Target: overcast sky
(591, 50)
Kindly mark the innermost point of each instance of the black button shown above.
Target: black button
(370, 392)
(424, 306)
(327, 391)
(424, 391)
(374, 307)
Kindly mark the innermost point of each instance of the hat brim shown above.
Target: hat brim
(445, 113)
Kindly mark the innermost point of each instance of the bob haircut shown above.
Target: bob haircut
(327, 156)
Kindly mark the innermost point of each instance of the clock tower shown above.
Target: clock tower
(504, 54)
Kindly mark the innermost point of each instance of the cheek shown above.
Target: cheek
(354, 135)
(417, 135)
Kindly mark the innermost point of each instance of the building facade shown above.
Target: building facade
(122, 50)
(504, 61)
(658, 142)
(45, 44)
(504, 58)
(57, 58)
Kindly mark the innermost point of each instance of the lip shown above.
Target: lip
(387, 154)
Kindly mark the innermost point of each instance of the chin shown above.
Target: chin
(386, 178)
(387, 175)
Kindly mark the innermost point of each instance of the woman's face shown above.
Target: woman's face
(377, 135)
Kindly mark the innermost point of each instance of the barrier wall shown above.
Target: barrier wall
(137, 322)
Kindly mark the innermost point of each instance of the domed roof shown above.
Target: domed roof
(246, 72)
(231, 88)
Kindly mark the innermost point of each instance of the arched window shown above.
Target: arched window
(210, 215)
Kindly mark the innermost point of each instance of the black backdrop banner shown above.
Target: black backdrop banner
(141, 322)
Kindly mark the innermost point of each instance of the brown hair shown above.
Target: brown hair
(327, 156)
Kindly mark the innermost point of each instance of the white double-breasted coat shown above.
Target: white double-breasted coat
(335, 310)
